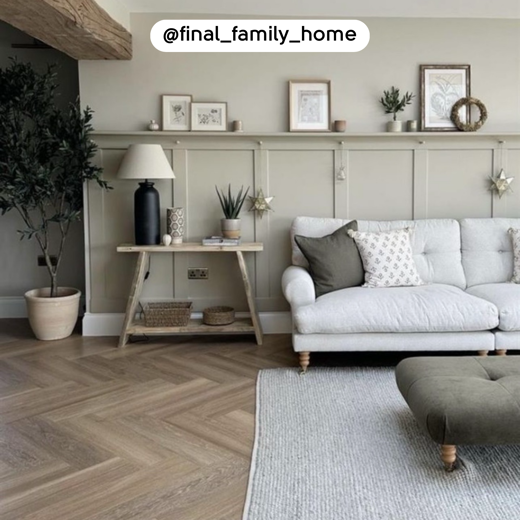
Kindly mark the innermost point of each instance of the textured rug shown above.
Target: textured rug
(341, 444)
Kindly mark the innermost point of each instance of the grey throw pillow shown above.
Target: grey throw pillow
(334, 260)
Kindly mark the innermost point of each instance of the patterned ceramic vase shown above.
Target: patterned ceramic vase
(175, 224)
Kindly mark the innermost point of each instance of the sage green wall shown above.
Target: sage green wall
(18, 269)
(125, 95)
(388, 177)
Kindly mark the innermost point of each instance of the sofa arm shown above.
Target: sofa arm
(298, 287)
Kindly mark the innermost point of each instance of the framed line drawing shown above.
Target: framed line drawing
(209, 117)
(441, 87)
(176, 112)
(309, 105)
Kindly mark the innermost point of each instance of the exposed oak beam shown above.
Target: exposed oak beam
(79, 28)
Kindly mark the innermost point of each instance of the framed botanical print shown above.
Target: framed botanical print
(309, 106)
(176, 112)
(441, 87)
(209, 117)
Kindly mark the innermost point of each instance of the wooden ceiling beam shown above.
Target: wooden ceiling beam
(79, 28)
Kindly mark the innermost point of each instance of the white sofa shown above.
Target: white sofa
(467, 303)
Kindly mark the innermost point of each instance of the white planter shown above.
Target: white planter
(394, 126)
(52, 318)
(230, 227)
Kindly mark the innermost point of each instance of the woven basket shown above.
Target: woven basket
(167, 314)
(218, 315)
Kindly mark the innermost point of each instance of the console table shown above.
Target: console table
(244, 325)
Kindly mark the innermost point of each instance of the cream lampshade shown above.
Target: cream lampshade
(146, 161)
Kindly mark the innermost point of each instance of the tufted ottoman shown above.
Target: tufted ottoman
(463, 400)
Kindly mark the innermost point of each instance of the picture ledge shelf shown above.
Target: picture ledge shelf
(303, 135)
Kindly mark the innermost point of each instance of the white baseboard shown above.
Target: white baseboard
(14, 307)
(111, 324)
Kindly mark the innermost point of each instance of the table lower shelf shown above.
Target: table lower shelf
(239, 326)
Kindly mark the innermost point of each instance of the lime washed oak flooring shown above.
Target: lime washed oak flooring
(159, 430)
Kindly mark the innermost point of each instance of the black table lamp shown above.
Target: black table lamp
(143, 162)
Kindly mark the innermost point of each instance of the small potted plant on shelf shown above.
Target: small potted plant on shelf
(393, 103)
(231, 206)
(45, 158)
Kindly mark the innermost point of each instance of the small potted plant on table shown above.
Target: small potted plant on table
(45, 157)
(393, 103)
(231, 206)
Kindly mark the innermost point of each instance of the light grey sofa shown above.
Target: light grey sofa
(467, 303)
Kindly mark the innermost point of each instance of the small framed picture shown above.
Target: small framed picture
(309, 105)
(209, 117)
(176, 112)
(441, 87)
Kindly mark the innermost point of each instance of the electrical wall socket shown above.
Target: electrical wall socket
(198, 273)
(41, 260)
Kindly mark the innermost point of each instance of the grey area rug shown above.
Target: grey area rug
(341, 444)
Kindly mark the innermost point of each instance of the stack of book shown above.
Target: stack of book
(220, 241)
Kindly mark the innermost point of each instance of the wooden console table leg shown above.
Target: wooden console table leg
(250, 299)
(449, 456)
(133, 298)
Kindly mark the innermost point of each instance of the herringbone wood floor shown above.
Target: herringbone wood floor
(159, 430)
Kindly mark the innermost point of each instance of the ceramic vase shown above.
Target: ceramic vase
(175, 224)
(230, 227)
(394, 126)
(153, 126)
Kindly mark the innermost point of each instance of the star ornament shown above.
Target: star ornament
(261, 204)
(501, 184)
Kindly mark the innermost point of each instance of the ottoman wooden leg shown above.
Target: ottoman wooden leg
(449, 456)
(483, 352)
(304, 361)
(501, 352)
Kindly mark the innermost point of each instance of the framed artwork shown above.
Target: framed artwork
(309, 106)
(176, 112)
(209, 117)
(441, 87)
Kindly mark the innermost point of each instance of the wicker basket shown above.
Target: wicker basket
(167, 314)
(218, 315)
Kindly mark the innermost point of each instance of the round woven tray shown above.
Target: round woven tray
(218, 315)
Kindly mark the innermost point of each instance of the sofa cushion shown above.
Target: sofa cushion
(487, 252)
(334, 260)
(515, 244)
(435, 244)
(387, 258)
(506, 297)
(427, 308)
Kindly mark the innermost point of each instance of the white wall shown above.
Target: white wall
(18, 269)
(126, 95)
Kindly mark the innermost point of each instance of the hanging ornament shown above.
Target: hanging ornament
(501, 184)
(261, 204)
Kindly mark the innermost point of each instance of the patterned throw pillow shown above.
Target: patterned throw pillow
(515, 239)
(387, 258)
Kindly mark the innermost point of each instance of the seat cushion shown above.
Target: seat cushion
(506, 297)
(427, 308)
(464, 400)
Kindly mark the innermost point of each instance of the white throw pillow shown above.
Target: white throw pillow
(387, 258)
(515, 239)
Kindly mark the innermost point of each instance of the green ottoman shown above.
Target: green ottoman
(463, 400)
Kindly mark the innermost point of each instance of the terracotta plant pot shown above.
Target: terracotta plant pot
(52, 318)
(394, 126)
(230, 227)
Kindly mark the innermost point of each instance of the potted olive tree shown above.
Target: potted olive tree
(393, 103)
(231, 206)
(45, 157)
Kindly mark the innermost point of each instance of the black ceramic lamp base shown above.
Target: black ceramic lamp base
(147, 215)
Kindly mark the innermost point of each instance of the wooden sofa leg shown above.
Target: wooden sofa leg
(449, 456)
(501, 352)
(483, 353)
(304, 361)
